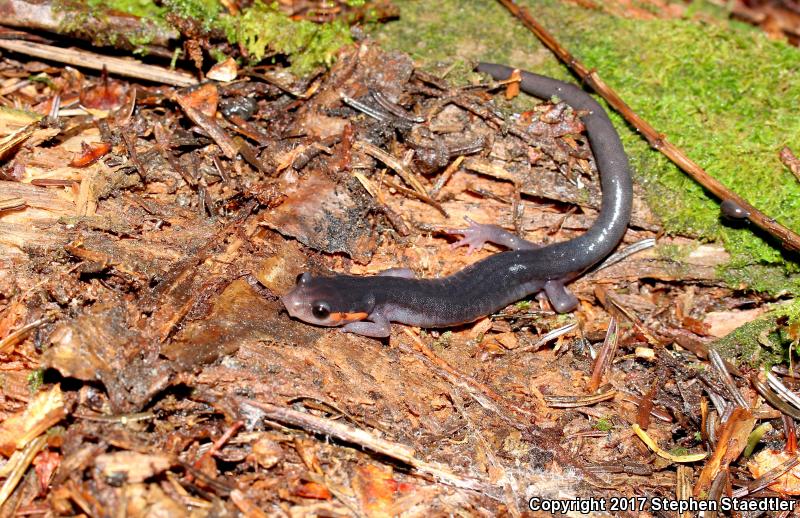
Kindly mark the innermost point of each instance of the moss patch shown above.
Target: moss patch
(262, 29)
(765, 341)
(204, 11)
(141, 8)
(79, 16)
(265, 31)
(721, 91)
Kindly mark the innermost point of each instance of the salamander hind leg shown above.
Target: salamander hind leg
(380, 327)
(478, 234)
(560, 297)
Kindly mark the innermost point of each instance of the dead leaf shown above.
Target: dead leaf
(731, 443)
(312, 490)
(44, 411)
(133, 466)
(90, 153)
(377, 489)
(224, 71)
(765, 460)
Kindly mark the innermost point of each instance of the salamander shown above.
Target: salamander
(367, 305)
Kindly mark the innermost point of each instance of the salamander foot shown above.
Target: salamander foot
(380, 327)
(561, 298)
(478, 234)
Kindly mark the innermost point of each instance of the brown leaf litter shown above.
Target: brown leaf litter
(147, 232)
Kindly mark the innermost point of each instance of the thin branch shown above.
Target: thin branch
(82, 58)
(365, 439)
(657, 141)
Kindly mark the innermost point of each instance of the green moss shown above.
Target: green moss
(765, 341)
(675, 257)
(523, 305)
(56, 431)
(679, 451)
(204, 11)
(604, 424)
(217, 55)
(699, 367)
(42, 78)
(673, 252)
(264, 31)
(261, 28)
(146, 9)
(759, 277)
(443, 342)
(721, 91)
(142, 8)
(35, 380)
(80, 15)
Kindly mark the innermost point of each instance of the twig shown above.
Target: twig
(394, 219)
(395, 109)
(245, 505)
(391, 162)
(218, 444)
(82, 58)
(606, 356)
(725, 378)
(645, 404)
(12, 338)
(657, 141)
(767, 478)
(209, 125)
(123, 419)
(732, 441)
(683, 485)
(452, 168)
(773, 398)
(552, 335)
(616, 257)
(609, 300)
(411, 192)
(791, 161)
(367, 440)
(556, 401)
(19, 463)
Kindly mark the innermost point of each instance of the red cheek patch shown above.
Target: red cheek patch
(344, 318)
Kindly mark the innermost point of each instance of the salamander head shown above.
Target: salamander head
(326, 301)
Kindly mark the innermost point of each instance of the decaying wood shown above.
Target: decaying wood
(53, 17)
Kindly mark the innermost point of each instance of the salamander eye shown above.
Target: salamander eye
(303, 278)
(320, 310)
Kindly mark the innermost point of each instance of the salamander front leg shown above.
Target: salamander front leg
(560, 297)
(380, 327)
(478, 234)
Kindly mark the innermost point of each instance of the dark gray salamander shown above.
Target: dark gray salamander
(367, 305)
